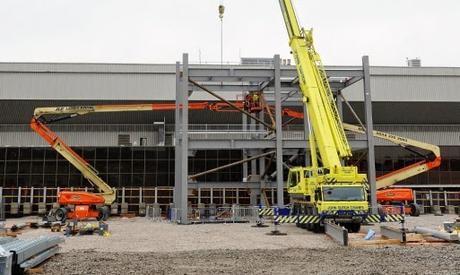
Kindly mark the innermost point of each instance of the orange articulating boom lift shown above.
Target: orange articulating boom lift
(83, 205)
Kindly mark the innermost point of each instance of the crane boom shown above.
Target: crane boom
(317, 95)
(327, 188)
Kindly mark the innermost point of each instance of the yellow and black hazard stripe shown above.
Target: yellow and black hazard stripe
(308, 219)
(385, 218)
(393, 218)
(286, 219)
(266, 212)
(373, 218)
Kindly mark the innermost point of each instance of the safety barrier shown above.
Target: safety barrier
(233, 214)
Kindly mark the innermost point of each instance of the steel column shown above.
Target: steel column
(245, 154)
(177, 150)
(261, 160)
(369, 133)
(279, 134)
(184, 141)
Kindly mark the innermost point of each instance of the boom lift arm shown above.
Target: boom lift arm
(38, 124)
(431, 161)
(88, 171)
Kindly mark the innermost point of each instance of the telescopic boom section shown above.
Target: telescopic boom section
(43, 115)
(432, 159)
(112, 108)
(323, 115)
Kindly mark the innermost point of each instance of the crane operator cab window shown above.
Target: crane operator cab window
(293, 178)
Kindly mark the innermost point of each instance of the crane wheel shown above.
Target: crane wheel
(104, 213)
(352, 227)
(318, 228)
(60, 214)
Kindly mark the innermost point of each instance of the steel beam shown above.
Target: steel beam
(230, 86)
(436, 233)
(337, 232)
(254, 72)
(369, 132)
(279, 134)
(393, 233)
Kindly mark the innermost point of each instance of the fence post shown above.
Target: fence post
(445, 199)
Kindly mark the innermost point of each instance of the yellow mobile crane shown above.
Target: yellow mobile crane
(326, 189)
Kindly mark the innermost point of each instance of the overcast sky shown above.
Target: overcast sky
(151, 31)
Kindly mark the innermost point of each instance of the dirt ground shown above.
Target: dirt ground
(141, 246)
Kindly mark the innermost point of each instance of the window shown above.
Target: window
(343, 193)
(293, 179)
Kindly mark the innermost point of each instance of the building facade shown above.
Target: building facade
(136, 150)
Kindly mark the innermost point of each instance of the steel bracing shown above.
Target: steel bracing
(278, 85)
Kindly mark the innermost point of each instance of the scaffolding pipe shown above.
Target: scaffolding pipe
(230, 165)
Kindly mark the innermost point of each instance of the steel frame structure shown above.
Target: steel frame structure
(279, 85)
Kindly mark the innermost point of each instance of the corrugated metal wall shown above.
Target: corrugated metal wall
(107, 135)
(157, 82)
(80, 135)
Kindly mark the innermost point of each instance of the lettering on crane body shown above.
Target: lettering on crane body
(346, 207)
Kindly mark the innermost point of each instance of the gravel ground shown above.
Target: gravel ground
(389, 260)
(139, 246)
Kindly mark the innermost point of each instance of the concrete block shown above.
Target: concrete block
(422, 209)
(14, 208)
(141, 209)
(42, 208)
(124, 208)
(114, 209)
(451, 209)
(202, 209)
(27, 208)
(436, 210)
(212, 209)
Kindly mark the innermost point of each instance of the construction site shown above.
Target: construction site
(273, 165)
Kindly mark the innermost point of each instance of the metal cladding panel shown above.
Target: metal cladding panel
(86, 67)
(107, 135)
(398, 84)
(82, 135)
(87, 86)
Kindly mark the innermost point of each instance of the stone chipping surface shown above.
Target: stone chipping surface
(140, 246)
(386, 260)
